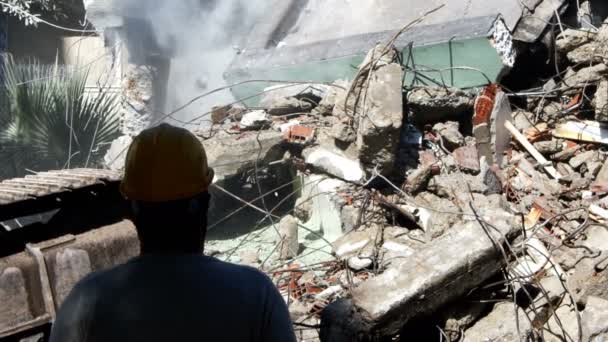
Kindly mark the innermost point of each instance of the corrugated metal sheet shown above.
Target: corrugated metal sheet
(52, 182)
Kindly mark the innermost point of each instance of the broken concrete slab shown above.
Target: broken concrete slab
(565, 155)
(499, 325)
(335, 164)
(595, 320)
(356, 243)
(418, 180)
(570, 39)
(277, 93)
(326, 206)
(522, 119)
(597, 238)
(590, 170)
(350, 217)
(343, 132)
(379, 132)
(450, 132)
(602, 176)
(583, 158)
(460, 316)
(442, 218)
(477, 40)
(455, 184)
(288, 105)
(431, 104)
(588, 54)
(535, 18)
(600, 101)
(585, 76)
(549, 147)
(303, 209)
(394, 250)
(288, 233)
(230, 156)
(329, 100)
(428, 279)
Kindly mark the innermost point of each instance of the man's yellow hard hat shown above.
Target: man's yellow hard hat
(165, 163)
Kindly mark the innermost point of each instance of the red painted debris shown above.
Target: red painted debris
(571, 144)
(484, 105)
(299, 134)
(467, 158)
(574, 101)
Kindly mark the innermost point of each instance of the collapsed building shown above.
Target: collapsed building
(393, 183)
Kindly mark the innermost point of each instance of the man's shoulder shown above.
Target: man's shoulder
(241, 271)
(210, 268)
(91, 282)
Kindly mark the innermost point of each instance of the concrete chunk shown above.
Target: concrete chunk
(583, 158)
(228, 155)
(432, 277)
(326, 205)
(379, 131)
(336, 165)
(587, 54)
(570, 39)
(595, 320)
(288, 105)
(428, 104)
(585, 76)
(255, 120)
(600, 102)
(449, 131)
(288, 230)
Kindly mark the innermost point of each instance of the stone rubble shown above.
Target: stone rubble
(414, 213)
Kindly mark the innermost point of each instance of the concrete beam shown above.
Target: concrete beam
(231, 154)
(420, 284)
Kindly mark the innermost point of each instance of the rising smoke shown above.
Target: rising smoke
(201, 37)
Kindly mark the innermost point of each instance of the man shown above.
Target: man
(171, 292)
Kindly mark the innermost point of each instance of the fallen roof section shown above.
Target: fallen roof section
(308, 42)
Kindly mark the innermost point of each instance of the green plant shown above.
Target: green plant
(53, 122)
(29, 11)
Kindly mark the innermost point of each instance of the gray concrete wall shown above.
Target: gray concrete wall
(67, 261)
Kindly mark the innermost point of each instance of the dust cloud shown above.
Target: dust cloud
(201, 38)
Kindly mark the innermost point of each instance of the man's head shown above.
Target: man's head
(167, 180)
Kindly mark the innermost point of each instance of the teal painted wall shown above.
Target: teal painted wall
(433, 64)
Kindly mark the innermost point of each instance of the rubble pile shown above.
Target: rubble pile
(434, 212)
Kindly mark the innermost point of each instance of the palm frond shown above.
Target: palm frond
(55, 120)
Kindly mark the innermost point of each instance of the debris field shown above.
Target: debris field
(427, 212)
